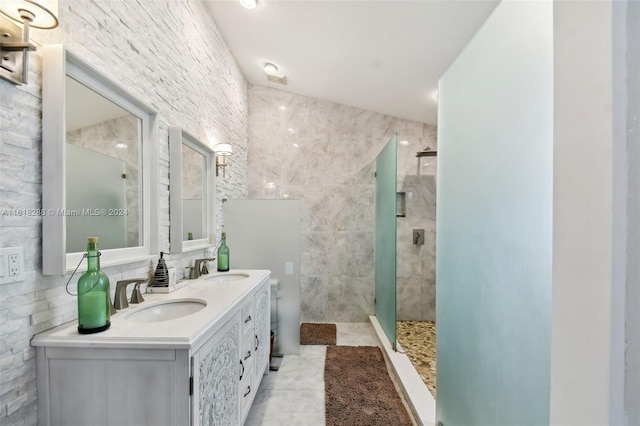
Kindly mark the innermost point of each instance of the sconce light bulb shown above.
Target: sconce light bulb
(40, 14)
(223, 149)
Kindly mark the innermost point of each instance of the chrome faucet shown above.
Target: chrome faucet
(198, 270)
(121, 292)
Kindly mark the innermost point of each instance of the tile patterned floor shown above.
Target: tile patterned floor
(418, 339)
(295, 393)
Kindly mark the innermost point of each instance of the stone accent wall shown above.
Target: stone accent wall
(328, 163)
(169, 54)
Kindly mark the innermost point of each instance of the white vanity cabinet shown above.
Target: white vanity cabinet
(215, 377)
(228, 368)
(209, 378)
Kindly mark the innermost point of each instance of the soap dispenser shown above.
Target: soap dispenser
(161, 277)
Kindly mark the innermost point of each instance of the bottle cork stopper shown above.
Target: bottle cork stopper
(93, 240)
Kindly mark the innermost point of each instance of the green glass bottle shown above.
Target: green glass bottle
(93, 294)
(223, 254)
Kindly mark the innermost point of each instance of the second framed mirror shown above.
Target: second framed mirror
(191, 192)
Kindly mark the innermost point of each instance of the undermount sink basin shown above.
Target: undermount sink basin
(220, 278)
(168, 310)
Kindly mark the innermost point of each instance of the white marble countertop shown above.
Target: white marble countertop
(222, 300)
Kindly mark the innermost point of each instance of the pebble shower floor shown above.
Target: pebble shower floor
(418, 339)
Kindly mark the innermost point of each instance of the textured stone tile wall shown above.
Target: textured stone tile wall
(327, 160)
(169, 54)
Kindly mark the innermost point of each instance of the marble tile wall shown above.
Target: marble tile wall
(324, 154)
(416, 285)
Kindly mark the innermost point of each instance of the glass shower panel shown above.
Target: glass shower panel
(386, 182)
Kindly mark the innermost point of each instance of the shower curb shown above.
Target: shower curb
(415, 392)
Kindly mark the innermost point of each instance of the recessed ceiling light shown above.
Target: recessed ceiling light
(121, 145)
(404, 142)
(270, 68)
(282, 108)
(291, 130)
(295, 145)
(249, 4)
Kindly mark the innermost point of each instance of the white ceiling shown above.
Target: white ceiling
(382, 56)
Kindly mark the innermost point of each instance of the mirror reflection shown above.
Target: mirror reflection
(193, 184)
(103, 158)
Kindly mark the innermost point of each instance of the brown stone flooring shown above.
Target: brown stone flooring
(418, 339)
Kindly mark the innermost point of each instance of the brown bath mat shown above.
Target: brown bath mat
(312, 333)
(358, 389)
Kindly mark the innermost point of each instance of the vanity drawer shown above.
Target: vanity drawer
(247, 352)
(248, 315)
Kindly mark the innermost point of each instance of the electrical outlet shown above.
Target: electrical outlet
(12, 268)
(14, 264)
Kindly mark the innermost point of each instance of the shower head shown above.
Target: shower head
(426, 153)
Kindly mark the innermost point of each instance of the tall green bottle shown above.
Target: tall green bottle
(223, 254)
(93, 294)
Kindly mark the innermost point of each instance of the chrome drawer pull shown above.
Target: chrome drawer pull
(248, 319)
(247, 356)
(242, 372)
(248, 391)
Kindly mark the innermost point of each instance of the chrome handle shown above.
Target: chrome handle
(248, 319)
(247, 356)
(248, 391)
(257, 342)
(242, 372)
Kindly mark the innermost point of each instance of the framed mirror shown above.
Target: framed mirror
(191, 192)
(99, 145)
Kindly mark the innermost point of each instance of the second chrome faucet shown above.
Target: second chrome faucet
(200, 267)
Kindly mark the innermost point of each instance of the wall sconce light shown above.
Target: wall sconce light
(223, 150)
(13, 42)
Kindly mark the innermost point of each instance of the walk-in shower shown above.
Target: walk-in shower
(405, 253)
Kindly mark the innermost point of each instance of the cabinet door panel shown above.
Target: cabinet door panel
(216, 375)
(102, 392)
(262, 339)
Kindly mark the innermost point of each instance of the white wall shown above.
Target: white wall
(589, 233)
(632, 356)
(494, 219)
(170, 54)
